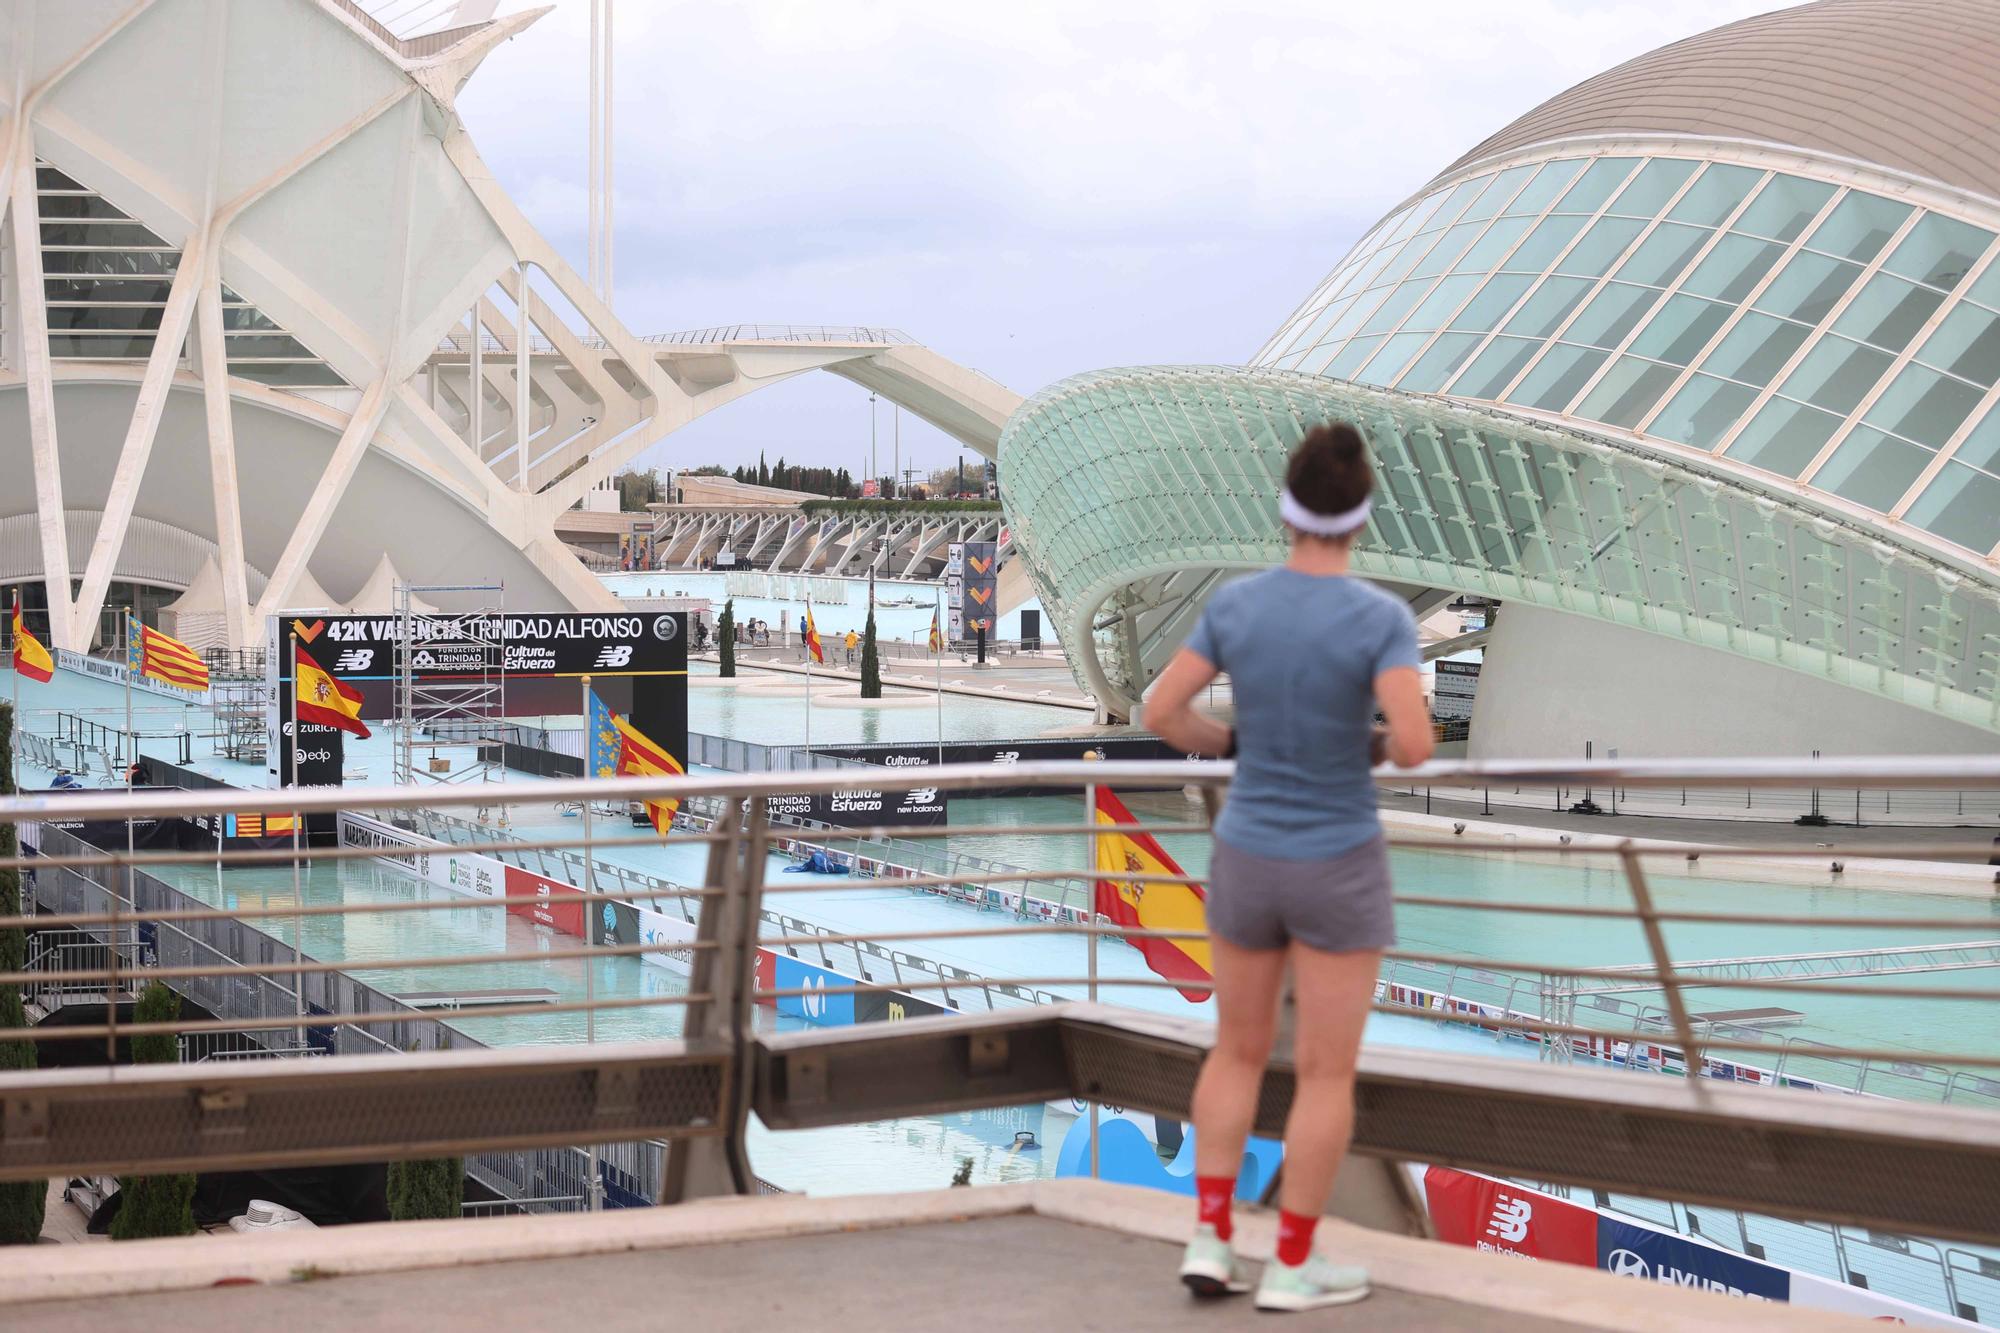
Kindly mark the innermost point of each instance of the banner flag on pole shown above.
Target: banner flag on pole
(638, 756)
(164, 658)
(937, 640)
(1142, 905)
(31, 659)
(323, 699)
(812, 637)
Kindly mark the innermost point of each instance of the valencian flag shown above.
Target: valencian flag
(1149, 905)
(637, 757)
(812, 637)
(937, 640)
(31, 659)
(162, 657)
(322, 699)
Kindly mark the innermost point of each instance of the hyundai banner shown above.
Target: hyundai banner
(1625, 1250)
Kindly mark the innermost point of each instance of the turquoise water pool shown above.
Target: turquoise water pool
(833, 614)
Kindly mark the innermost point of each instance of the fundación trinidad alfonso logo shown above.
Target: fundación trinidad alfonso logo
(1510, 1220)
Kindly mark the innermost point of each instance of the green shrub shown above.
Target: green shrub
(155, 1205)
(427, 1187)
(725, 638)
(871, 662)
(21, 1201)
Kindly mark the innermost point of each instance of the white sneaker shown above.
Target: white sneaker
(1210, 1266)
(1310, 1285)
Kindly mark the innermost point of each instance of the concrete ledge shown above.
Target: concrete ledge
(1504, 1285)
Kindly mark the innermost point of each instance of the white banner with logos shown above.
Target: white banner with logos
(447, 866)
(86, 665)
(1819, 1293)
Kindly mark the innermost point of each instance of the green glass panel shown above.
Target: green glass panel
(1544, 243)
(1702, 412)
(1396, 305)
(1986, 289)
(1449, 247)
(1443, 300)
(1503, 188)
(1558, 377)
(1457, 202)
(1588, 194)
(1859, 226)
(1487, 250)
(1924, 405)
(1871, 468)
(1783, 207)
(1389, 362)
(1939, 251)
(1627, 392)
(1438, 364)
(1784, 436)
(1541, 313)
(1550, 181)
(1961, 506)
(1663, 254)
(1981, 445)
(1733, 267)
(1495, 367)
(1350, 357)
(1836, 374)
(1614, 312)
(1681, 329)
(1495, 299)
(1715, 196)
(1598, 249)
(1809, 287)
(1657, 182)
(1887, 312)
(1756, 349)
(1967, 343)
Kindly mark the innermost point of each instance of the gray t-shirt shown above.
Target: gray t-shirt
(1302, 652)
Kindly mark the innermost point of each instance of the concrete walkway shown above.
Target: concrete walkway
(1051, 1255)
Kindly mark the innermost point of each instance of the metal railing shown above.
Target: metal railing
(545, 1117)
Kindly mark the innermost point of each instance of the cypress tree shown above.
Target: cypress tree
(428, 1187)
(871, 662)
(21, 1201)
(725, 637)
(155, 1205)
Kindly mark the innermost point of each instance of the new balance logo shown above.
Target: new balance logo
(354, 659)
(1510, 1220)
(617, 655)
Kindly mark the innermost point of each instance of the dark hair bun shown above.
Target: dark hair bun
(1329, 472)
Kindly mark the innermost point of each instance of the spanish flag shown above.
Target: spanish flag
(31, 659)
(162, 657)
(1146, 905)
(812, 637)
(937, 640)
(323, 699)
(639, 757)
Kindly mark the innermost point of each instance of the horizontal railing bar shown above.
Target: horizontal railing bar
(130, 914)
(257, 856)
(1987, 923)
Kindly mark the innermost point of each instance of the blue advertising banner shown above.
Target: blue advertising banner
(814, 1006)
(1653, 1256)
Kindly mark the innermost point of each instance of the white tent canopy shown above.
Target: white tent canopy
(378, 595)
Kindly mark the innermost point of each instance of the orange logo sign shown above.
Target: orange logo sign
(309, 632)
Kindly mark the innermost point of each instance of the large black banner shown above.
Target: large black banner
(864, 808)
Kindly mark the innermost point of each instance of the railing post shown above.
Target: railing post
(1663, 966)
(724, 969)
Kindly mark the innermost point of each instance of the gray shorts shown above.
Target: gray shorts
(1337, 904)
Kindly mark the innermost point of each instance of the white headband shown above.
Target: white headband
(1320, 525)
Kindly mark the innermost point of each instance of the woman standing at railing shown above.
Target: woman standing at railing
(1300, 875)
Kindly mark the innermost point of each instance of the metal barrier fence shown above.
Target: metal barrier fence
(667, 1117)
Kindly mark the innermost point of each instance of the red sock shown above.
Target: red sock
(1295, 1238)
(1212, 1195)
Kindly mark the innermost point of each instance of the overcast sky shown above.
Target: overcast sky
(1031, 187)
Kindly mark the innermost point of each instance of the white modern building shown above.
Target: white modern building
(1694, 368)
(263, 308)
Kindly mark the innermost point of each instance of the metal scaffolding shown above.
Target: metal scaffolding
(451, 688)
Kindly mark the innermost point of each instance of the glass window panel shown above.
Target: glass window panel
(1871, 468)
(1836, 374)
(1712, 198)
(141, 291)
(1961, 506)
(1627, 392)
(1939, 250)
(1351, 356)
(1783, 207)
(1386, 364)
(1456, 202)
(268, 346)
(1558, 377)
(1924, 405)
(1544, 243)
(1702, 412)
(1967, 344)
(1418, 214)
(1497, 194)
(1981, 445)
(1784, 436)
(1809, 287)
(1681, 329)
(1547, 184)
(100, 346)
(1396, 305)
(109, 317)
(1495, 299)
(1987, 288)
(1497, 241)
(1655, 184)
(1611, 314)
(48, 178)
(1859, 226)
(1662, 255)
(1436, 366)
(1313, 332)
(1600, 247)
(309, 374)
(1411, 255)
(117, 234)
(79, 206)
(1733, 267)
(1449, 247)
(1540, 315)
(112, 264)
(1887, 312)
(1444, 298)
(1756, 349)
(1588, 194)
(1495, 367)
(1350, 319)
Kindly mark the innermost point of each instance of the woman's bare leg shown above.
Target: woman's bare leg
(1247, 982)
(1333, 992)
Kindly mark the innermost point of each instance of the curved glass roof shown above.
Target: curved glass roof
(1792, 323)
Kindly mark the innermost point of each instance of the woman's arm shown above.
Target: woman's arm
(1170, 712)
(1400, 693)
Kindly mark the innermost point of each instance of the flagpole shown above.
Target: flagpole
(1090, 918)
(937, 624)
(14, 751)
(812, 628)
(590, 1184)
(132, 754)
(298, 893)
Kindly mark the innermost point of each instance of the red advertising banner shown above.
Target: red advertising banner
(557, 906)
(1492, 1215)
(765, 977)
